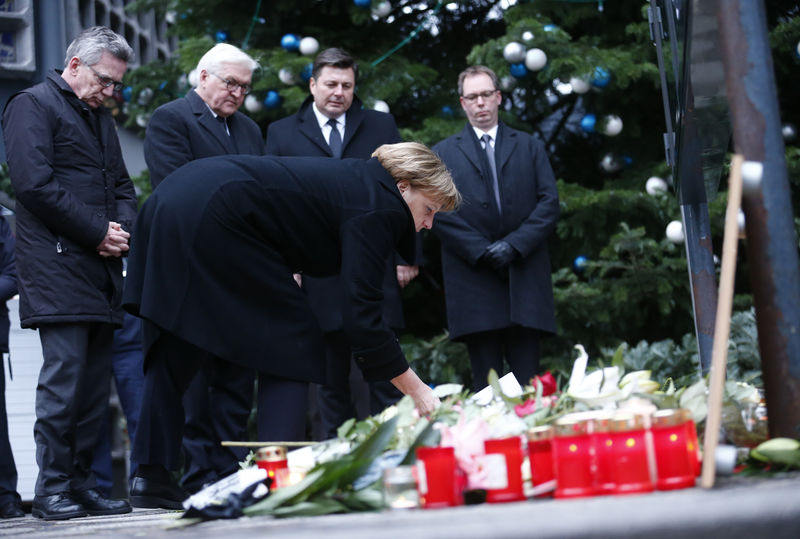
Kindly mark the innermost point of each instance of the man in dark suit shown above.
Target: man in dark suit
(205, 123)
(495, 262)
(333, 123)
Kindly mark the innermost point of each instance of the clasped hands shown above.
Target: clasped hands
(498, 255)
(116, 241)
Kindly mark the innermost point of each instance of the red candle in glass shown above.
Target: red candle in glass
(631, 464)
(437, 477)
(272, 458)
(673, 460)
(572, 457)
(693, 446)
(540, 456)
(603, 445)
(508, 452)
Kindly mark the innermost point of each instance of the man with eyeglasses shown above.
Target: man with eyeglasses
(75, 207)
(495, 264)
(204, 123)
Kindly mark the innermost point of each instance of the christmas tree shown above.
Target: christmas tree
(581, 75)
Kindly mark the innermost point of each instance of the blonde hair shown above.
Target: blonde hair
(422, 169)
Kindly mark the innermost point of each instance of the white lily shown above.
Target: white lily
(598, 388)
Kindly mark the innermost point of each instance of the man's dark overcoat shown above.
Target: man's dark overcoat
(477, 298)
(185, 129)
(365, 130)
(67, 171)
(215, 247)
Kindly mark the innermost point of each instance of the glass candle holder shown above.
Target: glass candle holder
(673, 457)
(272, 458)
(572, 457)
(400, 488)
(603, 446)
(540, 456)
(437, 477)
(504, 461)
(630, 455)
(693, 446)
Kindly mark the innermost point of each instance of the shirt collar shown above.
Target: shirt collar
(491, 132)
(322, 120)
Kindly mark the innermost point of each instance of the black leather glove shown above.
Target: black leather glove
(499, 255)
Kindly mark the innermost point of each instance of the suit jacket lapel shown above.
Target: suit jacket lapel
(466, 143)
(309, 127)
(354, 117)
(204, 117)
(506, 142)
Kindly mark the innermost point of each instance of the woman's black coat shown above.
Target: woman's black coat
(215, 246)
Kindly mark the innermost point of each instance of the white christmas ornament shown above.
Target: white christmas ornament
(308, 46)
(381, 106)
(192, 78)
(613, 125)
(675, 232)
(514, 52)
(656, 186)
(142, 119)
(286, 76)
(527, 36)
(252, 103)
(535, 59)
(788, 131)
(507, 83)
(382, 9)
(752, 174)
(579, 85)
(169, 16)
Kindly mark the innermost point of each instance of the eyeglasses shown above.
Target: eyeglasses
(104, 81)
(232, 85)
(485, 95)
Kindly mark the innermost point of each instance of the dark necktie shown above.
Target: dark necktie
(223, 124)
(335, 140)
(492, 168)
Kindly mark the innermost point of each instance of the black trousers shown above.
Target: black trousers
(170, 366)
(71, 397)
(217, 405)
(8, 470)
(345, 393)
(487, 349)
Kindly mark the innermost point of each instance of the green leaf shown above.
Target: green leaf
(426, 437)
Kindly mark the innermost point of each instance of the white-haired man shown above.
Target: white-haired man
(204, 123)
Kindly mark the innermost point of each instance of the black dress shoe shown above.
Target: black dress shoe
(96, 504)
(11, 510)
(154, 494)
(59, 506)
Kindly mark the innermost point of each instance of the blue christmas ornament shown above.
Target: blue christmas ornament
(550, 28)
(519, 70)
(362, 3)
(588, 122)
(127, 93)
(162, 85)
(579, 264)
(290, 42)
(627, 160)
(273, 100)
(601, 77)
(221, 36)
(305, 74)
(447, 111)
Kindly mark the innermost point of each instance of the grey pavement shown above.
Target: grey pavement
(736, 507)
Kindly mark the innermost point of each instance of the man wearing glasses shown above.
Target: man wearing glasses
(204, 123)
(75, 206)
(495, 262)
